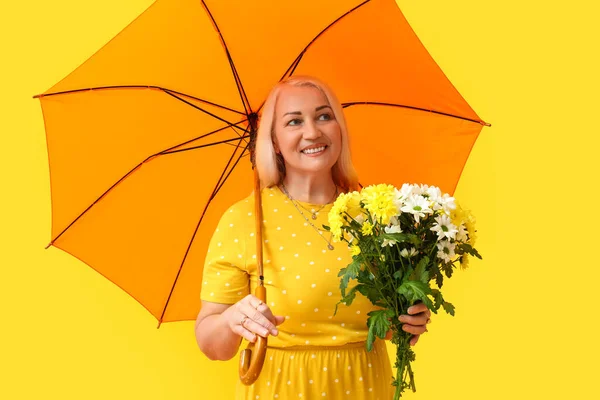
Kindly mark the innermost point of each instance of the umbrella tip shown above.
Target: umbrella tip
(48, 246)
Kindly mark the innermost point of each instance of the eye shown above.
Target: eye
(294, 122)
(325, 117)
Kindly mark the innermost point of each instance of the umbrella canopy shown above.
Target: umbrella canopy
(148, 139)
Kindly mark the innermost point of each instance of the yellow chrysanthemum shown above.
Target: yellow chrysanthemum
(379, 201)
(335, 225)
(470, 225)
(461, 216)
(335, 216)
(465, 261)
(367, 228)
(353, 204)
(354, 250)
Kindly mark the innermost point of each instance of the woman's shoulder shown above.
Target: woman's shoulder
(245, 206)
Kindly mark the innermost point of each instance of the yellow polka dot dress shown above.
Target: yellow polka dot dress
(316, 354)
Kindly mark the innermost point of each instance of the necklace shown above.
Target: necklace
(329, 245)
(312, 211)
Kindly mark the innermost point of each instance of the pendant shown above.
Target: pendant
(330, 247)
(314, 216)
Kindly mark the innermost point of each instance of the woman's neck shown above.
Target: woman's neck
(314, 189)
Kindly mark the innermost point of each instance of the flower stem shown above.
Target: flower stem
(404, 355)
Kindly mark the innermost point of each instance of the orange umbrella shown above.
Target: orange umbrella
(148, 139)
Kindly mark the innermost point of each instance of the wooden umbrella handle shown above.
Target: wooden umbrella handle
(253, 357)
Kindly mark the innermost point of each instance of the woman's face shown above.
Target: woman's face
(306, 132)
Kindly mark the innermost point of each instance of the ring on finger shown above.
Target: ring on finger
(244, 318)
(260, 303)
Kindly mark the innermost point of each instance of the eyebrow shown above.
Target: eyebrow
(299, 113)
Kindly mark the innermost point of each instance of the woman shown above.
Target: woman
(303, 160)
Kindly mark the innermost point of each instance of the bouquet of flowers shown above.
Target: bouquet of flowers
(401, 240)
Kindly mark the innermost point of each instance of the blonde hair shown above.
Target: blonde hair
(270, 165)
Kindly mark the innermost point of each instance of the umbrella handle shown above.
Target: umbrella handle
(253, 357)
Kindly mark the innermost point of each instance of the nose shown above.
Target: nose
(311, 130)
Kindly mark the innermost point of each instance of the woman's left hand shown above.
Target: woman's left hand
(415, 323)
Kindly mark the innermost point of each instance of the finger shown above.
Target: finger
(388, 335)
(243, 332)
(420, 319)
(258, 317)
(259, 305)
(417, 308)
(266, 311)
(279, 319)
(414, 339)
(256, 328)
(414, 329)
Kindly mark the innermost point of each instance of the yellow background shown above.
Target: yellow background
(526, 316)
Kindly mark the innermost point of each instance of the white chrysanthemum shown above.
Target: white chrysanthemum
(433, 193)
(446, 203)
(406, 191)
(444, 227)
(446, 250)
(419, 189)
(418, 206)
(408, 253)
(393, 229)
(461, 234)
(388, 242)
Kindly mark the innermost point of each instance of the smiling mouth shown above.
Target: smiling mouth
(314, 150)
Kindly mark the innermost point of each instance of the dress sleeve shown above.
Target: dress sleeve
(225, 278)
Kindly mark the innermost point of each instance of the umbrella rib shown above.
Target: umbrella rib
(201, 109)
(375, 103)
(236, 76)
(150, 87)
(149, 158)
(202, 137)
(218, 187)
(240, 138)
(243, 154)
(294, 64)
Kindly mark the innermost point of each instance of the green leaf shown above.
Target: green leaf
(349, 298)
(398, 274)
(400, 237)
(448, 269)
(439, 278)
(350, 272)
(448, 307)
(438, 299)
(370, 292)
(416, 290)
(379, 324)
(421, 272)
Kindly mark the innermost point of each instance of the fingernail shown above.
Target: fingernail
(428, 321)
(274, 332)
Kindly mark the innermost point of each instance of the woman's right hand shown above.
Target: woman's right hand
(250, 317)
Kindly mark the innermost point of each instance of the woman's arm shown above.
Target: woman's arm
(220, 327)
(213, 335)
